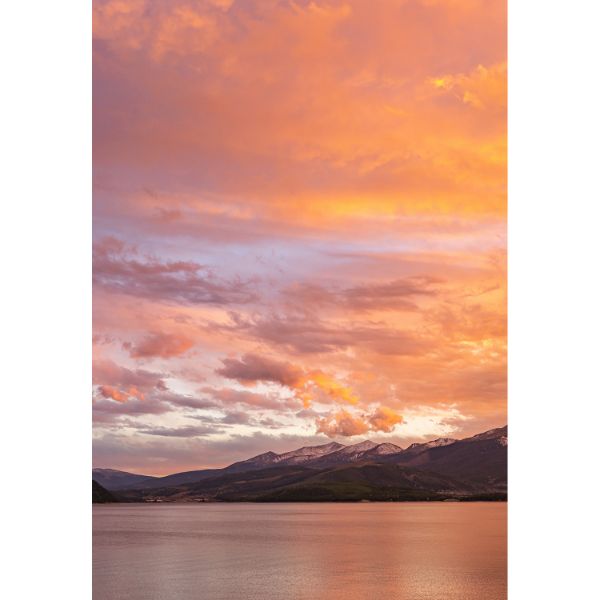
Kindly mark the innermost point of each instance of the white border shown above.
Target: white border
(554, 300)
(45, 237)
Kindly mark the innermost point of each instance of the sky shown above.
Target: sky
(299, 226)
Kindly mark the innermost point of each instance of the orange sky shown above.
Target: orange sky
(299, 224)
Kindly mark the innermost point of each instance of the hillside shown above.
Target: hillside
(111, 479)
(101, 495)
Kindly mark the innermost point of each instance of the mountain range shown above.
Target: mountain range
(445, 468)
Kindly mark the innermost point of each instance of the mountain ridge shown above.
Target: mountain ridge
(468, 468)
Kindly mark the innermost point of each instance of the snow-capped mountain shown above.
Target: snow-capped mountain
(316, 456)
(346, 454)
(307, 453)
(334, 453)
(300, 456)
(500, 434)
(417, 447)
(366, 450)
(384, 449)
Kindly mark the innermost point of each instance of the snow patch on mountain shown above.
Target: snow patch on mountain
(307, 453)
(385, 448)
(427, 445)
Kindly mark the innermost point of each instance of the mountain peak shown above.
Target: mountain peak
(385, 448)
(492, 434)
(421, 447)
(314, 450)
(307, 453)
(264, 459)
(264, 455)
(354, 450)
(361, 446)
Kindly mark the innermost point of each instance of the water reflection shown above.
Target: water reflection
(429, 551)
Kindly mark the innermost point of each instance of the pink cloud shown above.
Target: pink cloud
(163, 345)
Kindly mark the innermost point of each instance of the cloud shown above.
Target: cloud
(185, 401)
(118, 269)
(398, 294)
(156, 454)
(228, 396)
(236, 418)
(106, 371)
(306, 385)
(252, 367)
(390, 295)
(314, 108)
(107, 409)
(315, 336)
(123, 385)
(163, 345)
(342, 423)
(346, 424)
(484, 88)
(189, 431)
(110, 392)
(327, 385)
(121, 391)
(384, 419)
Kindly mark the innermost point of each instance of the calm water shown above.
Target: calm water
(420, 551)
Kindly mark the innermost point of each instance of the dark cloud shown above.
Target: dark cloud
(189, 431)
(390, 295)
(106, 372)
(118, 268)
(270, 423)
(398, 294)
(236, 418)
(252, 367)
(228, 396)
(107, 410)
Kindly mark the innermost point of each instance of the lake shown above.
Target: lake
(367, 551)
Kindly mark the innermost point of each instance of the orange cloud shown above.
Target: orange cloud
(110, 392)
(134, 392)
(307, 386)
(113, 393)
(384, 419)
(346, 424)
(317, 381)
(485, 88)
(311, 108)
(342, 423)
